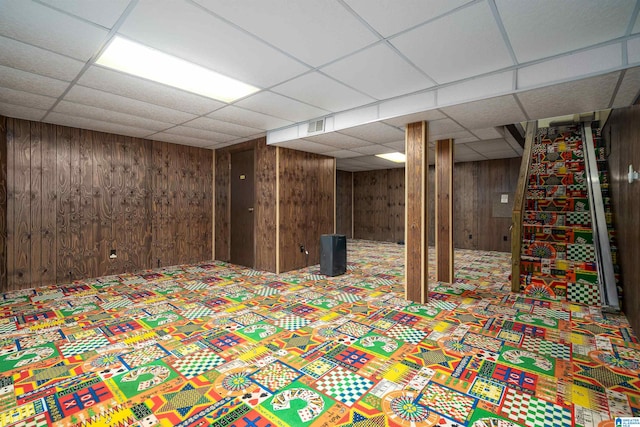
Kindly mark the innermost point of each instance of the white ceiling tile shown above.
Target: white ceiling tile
(570, 98)
(629, 88)
(323, 92)
(338, 140)
(222, 127)
(144, 90)
(462, 150)
(488, 133)
(314, 32)
(108, 101)
(104, 13)
(99, 125)
(183, 140)
(397, 145)
(281, 106)
(502, 110)
(427, 116)
(506, 154)
(305, 145)
(29, 82)
(491, 145)
(477, 88)
(465, 140)
(379, 163)
(542, 28)
(374, 149)
(389, 17)
(453, 135)
(249, 118)
(379, 72)
(20, 112)
(42, 26)
(377, 132)
(205, 135)
(33, 59)
(571, 66)
(81, 110)
(477, 157)
(208, 41)
(633, 50)
(408, 105)
(342, 154)
(460, 45)
(26, 99)
(443, 126)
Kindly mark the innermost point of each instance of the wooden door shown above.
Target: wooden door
(242, 208)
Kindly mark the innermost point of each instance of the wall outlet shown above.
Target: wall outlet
(470, 236)
(504, 238)
(112, 254)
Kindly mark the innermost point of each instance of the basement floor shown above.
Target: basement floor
(214, 344)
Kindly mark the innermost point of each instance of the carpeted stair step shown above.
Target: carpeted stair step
(557, 191)
(547, 233)
(556, 268)
(557, 205)
(557, 178)
(570, 219)
(558, 250)
(559, 167)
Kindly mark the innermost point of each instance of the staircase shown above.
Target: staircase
(558, 255)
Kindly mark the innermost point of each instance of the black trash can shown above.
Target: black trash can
(333, 254)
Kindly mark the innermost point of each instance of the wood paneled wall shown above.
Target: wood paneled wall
(306, 205)
(74, 194)
(344, 203)
(379, 204)
(378, 210)
(264, 202)
(3, 202)
(622, 134)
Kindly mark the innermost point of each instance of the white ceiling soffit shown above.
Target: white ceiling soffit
(366, 68)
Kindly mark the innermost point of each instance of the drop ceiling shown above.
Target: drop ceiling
(366, 67)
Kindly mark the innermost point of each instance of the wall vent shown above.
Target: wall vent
(316, 126)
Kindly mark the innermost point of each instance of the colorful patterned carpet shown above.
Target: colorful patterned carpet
(219, 345)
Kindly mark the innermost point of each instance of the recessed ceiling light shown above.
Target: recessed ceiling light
(394, 157)
(142, 61)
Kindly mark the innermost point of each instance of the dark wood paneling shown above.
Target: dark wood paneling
(63, 212)
(395, 197)
(416, 266)
(465, 205)
(3, 202)
(72, 195)
(21, 204)
(622, 135)
(344, 203)
(222, 205)
(474, 184)
(304, 214)
(495, 177)
(88, 267)
(35, 197)
(265, 206)
(378, 205)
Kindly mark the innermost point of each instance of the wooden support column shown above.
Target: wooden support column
(416, 241)
(444, 210)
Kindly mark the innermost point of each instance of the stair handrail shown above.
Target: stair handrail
(518, 204)
(604, 260)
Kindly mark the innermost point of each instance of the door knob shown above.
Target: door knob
(250, 209)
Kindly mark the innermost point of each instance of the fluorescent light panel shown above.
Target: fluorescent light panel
(394, 157)
(142, 61)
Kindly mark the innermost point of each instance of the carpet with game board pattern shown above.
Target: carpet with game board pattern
(214, 344)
